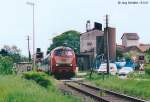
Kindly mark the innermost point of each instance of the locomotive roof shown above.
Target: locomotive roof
(61, 47)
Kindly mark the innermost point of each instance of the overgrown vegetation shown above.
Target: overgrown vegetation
(39, 77)
(6, 65)
(9, 56)
(132, 87)
(16, 89)
(119, 53)
(147, 56)
(147, 69)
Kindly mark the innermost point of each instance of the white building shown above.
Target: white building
(130, 39)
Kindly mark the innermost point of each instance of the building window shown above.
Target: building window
(89, 44)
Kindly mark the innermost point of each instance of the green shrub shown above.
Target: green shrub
(39, 77)
(147, 69)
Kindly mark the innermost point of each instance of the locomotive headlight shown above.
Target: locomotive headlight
(57, 64)
(70, 64)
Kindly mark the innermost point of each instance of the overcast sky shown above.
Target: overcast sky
(53, 17)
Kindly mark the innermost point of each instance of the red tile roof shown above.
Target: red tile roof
(132, 48)
(144, 47)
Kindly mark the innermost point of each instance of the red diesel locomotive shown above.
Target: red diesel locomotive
(61, 62)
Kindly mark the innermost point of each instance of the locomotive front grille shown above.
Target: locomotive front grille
(63, 65)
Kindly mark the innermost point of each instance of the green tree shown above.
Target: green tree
(12, 52)
(6, 65)
(127, 55)
(119, 54)
(70, 38)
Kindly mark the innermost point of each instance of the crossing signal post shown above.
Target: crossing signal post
(141, 58)
(141, 62)
(39, 55)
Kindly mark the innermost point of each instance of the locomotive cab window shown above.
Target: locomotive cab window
(63, 52)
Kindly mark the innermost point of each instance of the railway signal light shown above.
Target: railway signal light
(141, 57)
(39, 55)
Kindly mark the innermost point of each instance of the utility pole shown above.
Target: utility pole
(107, 44)
(34, 57)
(29, 54)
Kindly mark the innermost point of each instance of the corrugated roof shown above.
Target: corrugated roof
(132, 48)
(131, 36)
(93, 31)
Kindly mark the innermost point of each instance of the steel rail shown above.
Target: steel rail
(96, 97)
(133, 99)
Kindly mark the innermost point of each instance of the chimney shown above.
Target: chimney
(88, 25)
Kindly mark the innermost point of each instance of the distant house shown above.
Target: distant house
(130, 44)
(144, 47)
(130, 39)
(132, 49)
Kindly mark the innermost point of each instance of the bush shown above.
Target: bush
(6, 65)
(39, 77)
(147, 69)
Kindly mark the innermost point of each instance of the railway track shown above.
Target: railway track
(101, 95)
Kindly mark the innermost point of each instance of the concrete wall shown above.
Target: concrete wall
(22, 67)
(132, 43)
(88, 41)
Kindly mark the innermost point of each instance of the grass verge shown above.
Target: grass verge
(136, 88)
(16, 89)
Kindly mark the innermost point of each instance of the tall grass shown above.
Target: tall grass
(147, 69)
(6, 64)
(136, 88)
(17, 89)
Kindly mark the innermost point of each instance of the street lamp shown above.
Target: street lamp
(33, 5)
